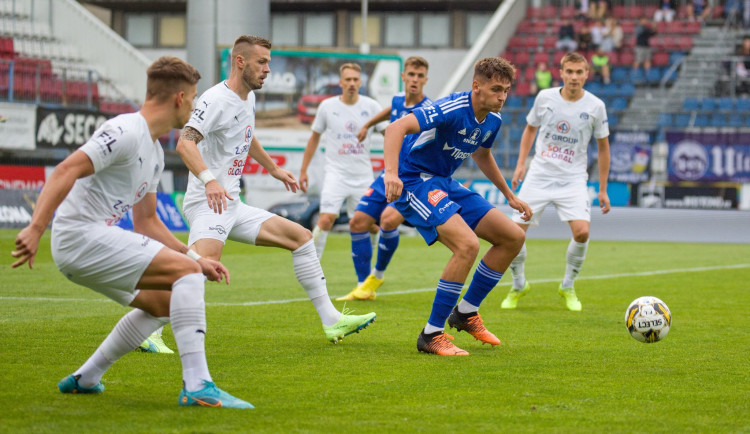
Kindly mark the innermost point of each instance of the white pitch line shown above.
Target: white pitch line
(413, 291)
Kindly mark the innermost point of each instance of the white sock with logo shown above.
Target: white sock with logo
(187, 310)
(574, 261)
(319, 238)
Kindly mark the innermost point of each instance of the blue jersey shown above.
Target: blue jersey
(450, 134)
(399, 110)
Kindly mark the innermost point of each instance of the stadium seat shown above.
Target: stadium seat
(514, 102)
(718, 120)
(523, 89)
(743, 104)
(653, 76)
(613, 119)
(609, 90)
(618, 12)
(701, 120)
(529, 102)
(515, 43)
(522, 58)
(567, 12)
(619, 74)
(627, 58)
(675, 57)
(549, 43)
(736, 120)
(682, 120)
(665, 120)
(691, 104)
(529, 74)
(660, 58)
(726, 104)
(594, 87)
(634, 12)
(637, 76)
(539, 56)
(627, 89)
(684, 43)
(507, 118)
(618, 104)
(708, 104)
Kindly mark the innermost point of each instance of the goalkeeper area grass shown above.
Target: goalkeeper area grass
(554, 371)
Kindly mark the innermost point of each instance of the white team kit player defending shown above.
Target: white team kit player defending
(117, 170)
(214, 145)
(348, 170)
(566, 118)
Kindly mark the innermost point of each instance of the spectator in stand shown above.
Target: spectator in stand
(582, 8)
(599, 9)
(742, 67)
(598, 28)
(613, 35)
(600, 64)
(666, 11)
(542, 78)
(585, 40)
(733, 13)
(643, 33)
(698, 10)
(566, 37)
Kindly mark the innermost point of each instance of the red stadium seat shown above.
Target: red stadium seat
(567, 12)
(634, 12)
(531, 42)
(618, 12)
(556, 58)
(522, 58)
(522, 88)
(529, 73)
(660, 58)
(549, 43)
(684, 43)
(627, 58)
(533, 12)
(524, 27)
(539, 56)
(549, 12)
(515, 43)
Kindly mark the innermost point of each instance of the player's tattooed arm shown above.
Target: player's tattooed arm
(191, 134)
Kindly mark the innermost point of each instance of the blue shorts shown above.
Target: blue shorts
(373, 202)
(428, 203)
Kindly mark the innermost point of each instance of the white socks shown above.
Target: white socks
(310, 276)
(319, 238)
(517, 268)
(466, 307)
(130, 331)
(188, 314)
(575, 256)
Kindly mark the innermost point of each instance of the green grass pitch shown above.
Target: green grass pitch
(556, 371)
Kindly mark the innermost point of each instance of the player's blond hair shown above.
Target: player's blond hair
(349, 65)
(167, 76)
(494, 68)
(417, 62)
(573, 57)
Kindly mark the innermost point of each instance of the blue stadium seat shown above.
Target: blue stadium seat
(515, 135)
(701, 120)
(594, 87)
(691, 104)
(665, 120)
(736, 120)
(682, 120)
(613, 120)
(619, 104)
(743, 104)
(653, 75)
(507, 118)
(718, 120)
(619, 74)
(675, 57)
(726, 104)
(530, 102)
(627, 90)
(637, 76)
(514, 102)
(708, 104)
(609, 90)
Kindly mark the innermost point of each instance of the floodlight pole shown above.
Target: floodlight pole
(364, 47)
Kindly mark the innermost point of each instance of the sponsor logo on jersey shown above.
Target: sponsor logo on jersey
(368, 192)
(462, 132)
(584, 116)
(218, 228)
(563, 127)
(475, 134)
(486, 136)
(447, 148)
(351, 126)
(248, 133)
(141, 191)
(435, 196)
(394, 112)
(365, 114)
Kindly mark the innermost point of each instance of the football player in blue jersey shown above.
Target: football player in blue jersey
(372, 208)
(418, 170)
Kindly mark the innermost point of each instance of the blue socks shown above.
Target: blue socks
(481, 284)
(446, 297)
(387, 246)
(361, 254)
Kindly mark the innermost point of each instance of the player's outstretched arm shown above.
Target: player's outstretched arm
(603, 160)
(384, 115)
(55, 190)
(527, 139)
(312, 146)
(187, 148)
(260, 155)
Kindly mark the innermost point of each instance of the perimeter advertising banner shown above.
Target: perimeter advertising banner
(17, 123)
(168, 213)
(66, 127)
(16, 207)
(300, 80)
(708, 157)
(630, 153)
(22, 177)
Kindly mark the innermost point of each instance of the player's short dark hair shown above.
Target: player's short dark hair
(573, 57)
(417, 62)
(494, 67)
(349, 65)
(167, 76)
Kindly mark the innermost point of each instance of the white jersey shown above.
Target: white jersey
(227, 124)
(127, 164)
(345, 155)
(565, 130)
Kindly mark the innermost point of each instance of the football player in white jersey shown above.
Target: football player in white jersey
(373, 209)
(117, 170)
(566, 118)
(215, 145)
(347, 158)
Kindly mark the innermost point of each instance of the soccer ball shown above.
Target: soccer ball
(648, 319)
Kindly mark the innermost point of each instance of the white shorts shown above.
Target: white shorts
(108, 259)
(239, 222)
(335, 192)
(570, 198)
